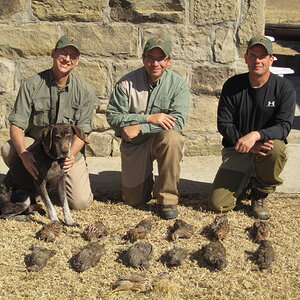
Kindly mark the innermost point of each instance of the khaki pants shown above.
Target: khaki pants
(236, 170)
(79, 193)
(137, 166)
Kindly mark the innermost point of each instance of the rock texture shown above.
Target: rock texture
(208, 42)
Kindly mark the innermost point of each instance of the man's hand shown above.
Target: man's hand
(130, 132)
(245, 143)
(68, 163)
(29, 161)
(162, 119)
(262, 148)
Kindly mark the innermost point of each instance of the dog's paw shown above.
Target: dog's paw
(72, 224)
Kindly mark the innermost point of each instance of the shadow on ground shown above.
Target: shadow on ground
(106, 186)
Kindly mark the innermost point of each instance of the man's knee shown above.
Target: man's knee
(221, 200)
(278, 151)
(82, 202)
(170, 137)
(141, 194)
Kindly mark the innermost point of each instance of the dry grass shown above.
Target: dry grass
(240, 280)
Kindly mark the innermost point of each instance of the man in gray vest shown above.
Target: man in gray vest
(55, 95)
(147, 109)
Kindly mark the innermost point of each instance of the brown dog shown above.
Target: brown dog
(49, 151)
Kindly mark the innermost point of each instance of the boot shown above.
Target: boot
(258, 204)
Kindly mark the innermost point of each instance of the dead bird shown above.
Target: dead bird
(140, 230)
(13, 203)
(260, 231)
(214, 254)
(51, 231)
(265, 255)
(134, 282)
(38, 259)
(88, 257)
(220, 227)
(181, 229)
(139, 254)
(175, 256)
(95, 231)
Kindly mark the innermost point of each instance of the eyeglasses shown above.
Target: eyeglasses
(159, 59)
(64, 54)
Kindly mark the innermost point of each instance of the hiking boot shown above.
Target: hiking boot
(258, 204)
(169, 212)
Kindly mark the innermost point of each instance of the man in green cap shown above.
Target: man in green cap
(255, 116)
(53, 96)
(147, 109)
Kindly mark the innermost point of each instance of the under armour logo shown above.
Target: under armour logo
(271, 104)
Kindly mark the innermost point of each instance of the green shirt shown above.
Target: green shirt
(134, 98)
(40, 102)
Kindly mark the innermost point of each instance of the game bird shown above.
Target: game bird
(214, 254)
(260, 231)
(175, 256)
(181, 229)
(265, 255)
(88, 257)
(220, 227)
(140, 230)
(134, 282)
(139, 254)
(95, 231)
(38, 258)
(51, 231)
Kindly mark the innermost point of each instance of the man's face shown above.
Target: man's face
(258, 60)
(64, 60)
(155, 63)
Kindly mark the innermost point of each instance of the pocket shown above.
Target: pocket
(72, 114)
(159, 106)
(41, 108)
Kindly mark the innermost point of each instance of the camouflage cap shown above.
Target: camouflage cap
(261, 40)
(68, 40)
(157, 42)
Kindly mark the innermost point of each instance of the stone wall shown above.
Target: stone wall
(208, 40)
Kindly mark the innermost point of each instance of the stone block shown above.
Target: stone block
(116, 147)
(202, 114)
(69, 10)
(202, 143)
(117, 41)
(120, 68)
(100, 144)
(224, 46)
(252, 22)
(9, 8)
(4, 136)
(95, 73)
(27, 39)
(28, 67)
(100, 123)
(188, 44)
(160, 11)
(7, 72)
(209, 79)
(7, 101)
(213, 12)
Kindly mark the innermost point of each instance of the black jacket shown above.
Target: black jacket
(269, 109)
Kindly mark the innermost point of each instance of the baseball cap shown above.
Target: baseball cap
(68, 40)
(157, 42)
(261, 40)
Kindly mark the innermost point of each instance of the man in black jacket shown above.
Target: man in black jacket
(255, 115)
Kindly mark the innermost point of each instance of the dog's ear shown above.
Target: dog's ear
(46, 137)
(80, 133)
